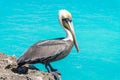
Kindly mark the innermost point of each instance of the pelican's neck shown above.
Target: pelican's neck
(68, 35)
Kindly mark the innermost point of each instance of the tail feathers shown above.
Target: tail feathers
(20, 62)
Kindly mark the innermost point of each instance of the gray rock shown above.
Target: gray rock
(9, 70)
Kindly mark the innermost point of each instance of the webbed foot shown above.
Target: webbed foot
(56, 74)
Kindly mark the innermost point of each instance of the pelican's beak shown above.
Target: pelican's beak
(73, 34)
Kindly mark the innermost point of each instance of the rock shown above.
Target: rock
(9, 70)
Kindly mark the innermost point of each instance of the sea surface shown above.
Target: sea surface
(97, 28)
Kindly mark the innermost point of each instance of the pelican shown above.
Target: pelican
(48, 51)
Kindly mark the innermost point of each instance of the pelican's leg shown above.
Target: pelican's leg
(53, 71)
(46, 66)
(51, 68)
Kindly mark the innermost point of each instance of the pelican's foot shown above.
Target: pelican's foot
(56, 74)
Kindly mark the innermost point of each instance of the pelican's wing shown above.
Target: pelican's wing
(42, 50)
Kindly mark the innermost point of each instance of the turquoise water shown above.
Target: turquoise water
(97, 27)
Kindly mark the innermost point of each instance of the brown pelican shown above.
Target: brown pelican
(52, 50)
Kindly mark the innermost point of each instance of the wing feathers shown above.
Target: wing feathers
(43, 51)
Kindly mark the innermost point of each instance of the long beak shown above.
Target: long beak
(73, 34)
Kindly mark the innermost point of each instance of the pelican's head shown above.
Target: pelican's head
(65, 19)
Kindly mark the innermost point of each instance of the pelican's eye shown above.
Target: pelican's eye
(67, 20)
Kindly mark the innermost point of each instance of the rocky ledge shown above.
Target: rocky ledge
(9, 71)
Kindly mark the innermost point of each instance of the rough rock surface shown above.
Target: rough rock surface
(9, 71)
